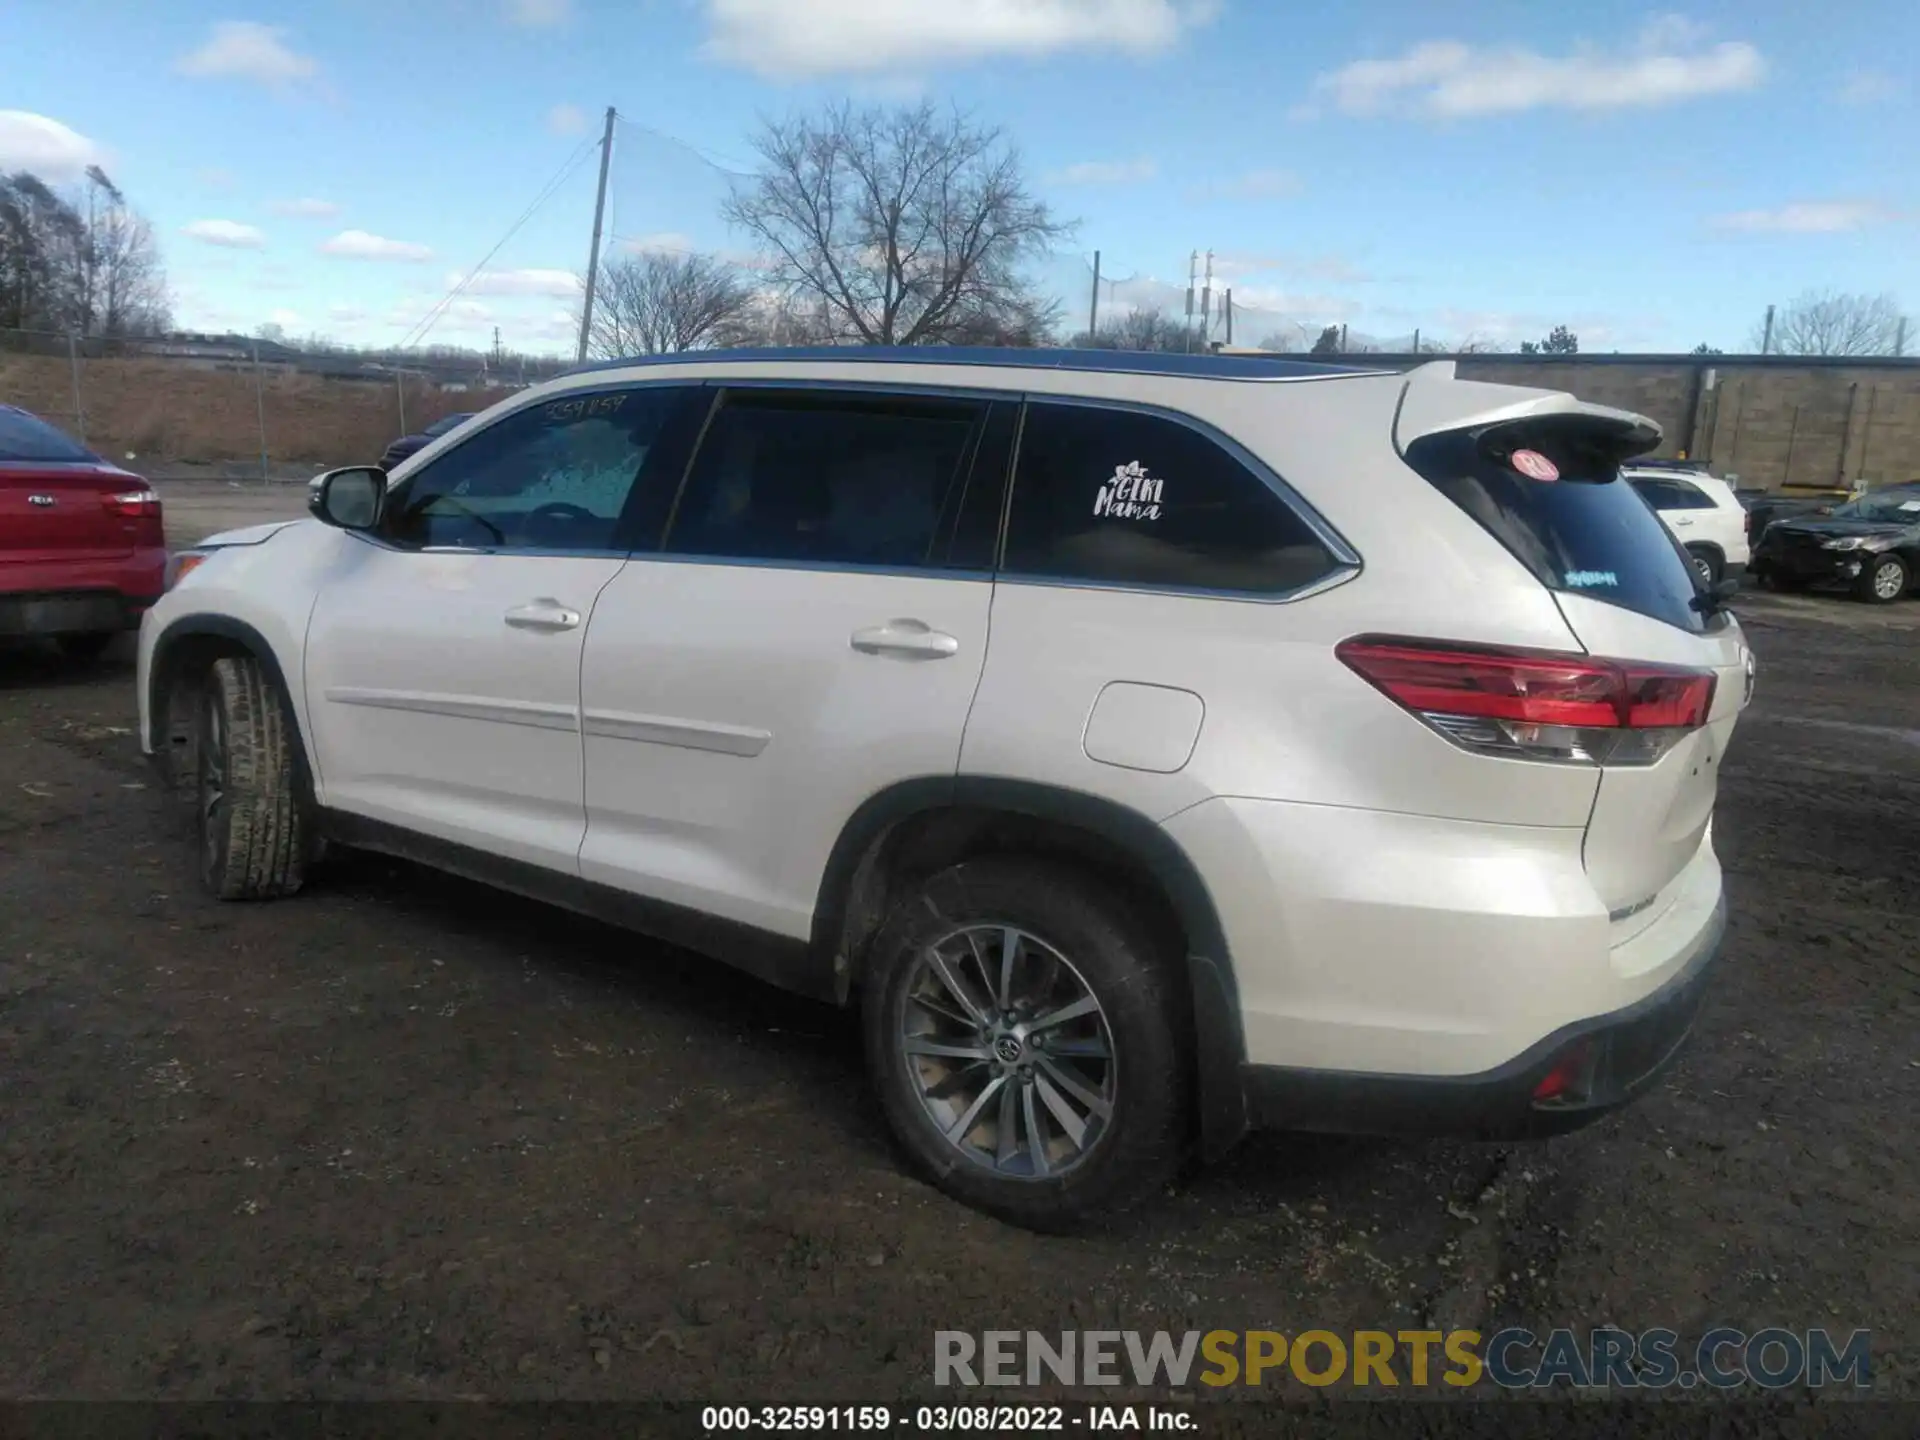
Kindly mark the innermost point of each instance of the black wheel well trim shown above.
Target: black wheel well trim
(220, 627)
(1707, 545)
(1220, 1042)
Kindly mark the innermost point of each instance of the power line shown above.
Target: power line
(732, 169)
(426, 323)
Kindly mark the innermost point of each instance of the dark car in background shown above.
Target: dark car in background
(1870, 544)
(407, 444)
(82, 551)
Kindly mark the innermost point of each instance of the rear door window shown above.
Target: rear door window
(835, 478)
(1585, 532)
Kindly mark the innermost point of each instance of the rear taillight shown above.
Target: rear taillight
(132, 503)
(1534, 705)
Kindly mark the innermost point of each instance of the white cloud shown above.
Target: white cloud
(1808, 217)
(538, 14)
(307, 207)
(285, 319)
(1869, 87)
(45, 147)
(561, 283)
(792, 38)
(1254, 185)
(359, 245)
(230, 233)
(345, 314)
(566, 120)
(247, 50)
(1446, 78)
(1107, 172)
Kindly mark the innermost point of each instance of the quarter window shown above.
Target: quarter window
(1125, 498)
(554, 476)
(827, 478)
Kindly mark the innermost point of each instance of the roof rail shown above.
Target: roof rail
(1132, 362)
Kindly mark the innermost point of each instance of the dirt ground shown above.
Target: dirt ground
(402, 1137)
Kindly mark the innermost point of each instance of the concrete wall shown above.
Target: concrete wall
(1769, 420)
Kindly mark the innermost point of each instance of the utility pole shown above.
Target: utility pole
(593, 253)
(1229, 309)
(1193, 280)
(1093, 310)
(1766, 335)
(1206, 307)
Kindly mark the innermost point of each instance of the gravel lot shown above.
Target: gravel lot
(403, 1137)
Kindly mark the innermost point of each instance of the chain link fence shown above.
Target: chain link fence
(236, 407)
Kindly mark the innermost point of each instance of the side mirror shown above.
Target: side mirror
(1724, 590)
(350, 498)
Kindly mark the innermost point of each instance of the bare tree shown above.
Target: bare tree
(124, 287)
(657, 304)
(909, 226)
(1153, 330)
(1825, 322)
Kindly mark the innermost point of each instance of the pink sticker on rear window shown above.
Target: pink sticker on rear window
(1534, 465)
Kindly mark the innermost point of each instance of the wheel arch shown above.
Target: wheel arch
(917, 827)
(185, 647)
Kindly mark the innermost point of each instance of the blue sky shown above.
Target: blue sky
(1484, 171)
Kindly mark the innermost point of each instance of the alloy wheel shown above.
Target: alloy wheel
(1886, 581)
(1008, 1050)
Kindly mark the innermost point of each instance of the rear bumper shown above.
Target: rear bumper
(71, 612)
(82, 594)
(1600, 1064)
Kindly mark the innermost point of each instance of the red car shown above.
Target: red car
(82, 552)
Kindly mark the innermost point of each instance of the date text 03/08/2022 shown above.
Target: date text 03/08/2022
(923, 1419)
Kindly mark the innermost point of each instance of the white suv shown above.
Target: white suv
(1149, 746)
(1703, 514)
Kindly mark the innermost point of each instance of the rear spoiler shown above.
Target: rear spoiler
(1434, 401)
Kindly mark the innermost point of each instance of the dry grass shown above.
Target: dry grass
(168, 411)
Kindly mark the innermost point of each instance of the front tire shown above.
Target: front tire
(252, 825)
(1025, 1036)
(1706, 564)
(1883, 581)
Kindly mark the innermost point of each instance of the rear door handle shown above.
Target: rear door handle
(543, 615)
(911, 638)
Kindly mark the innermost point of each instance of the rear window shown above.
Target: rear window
(24, 437)
(1586, 532)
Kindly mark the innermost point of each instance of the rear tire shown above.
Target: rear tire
(1884, 580)
(251, 822)
(1707, 563)
(1041, 1121)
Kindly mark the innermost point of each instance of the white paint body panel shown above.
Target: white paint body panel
(732, 728)
(1391, 902)
(429, 711)
(1724, 526)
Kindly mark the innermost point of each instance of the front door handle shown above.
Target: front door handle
(543, 614)
(1682, 520)
(911, 638)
